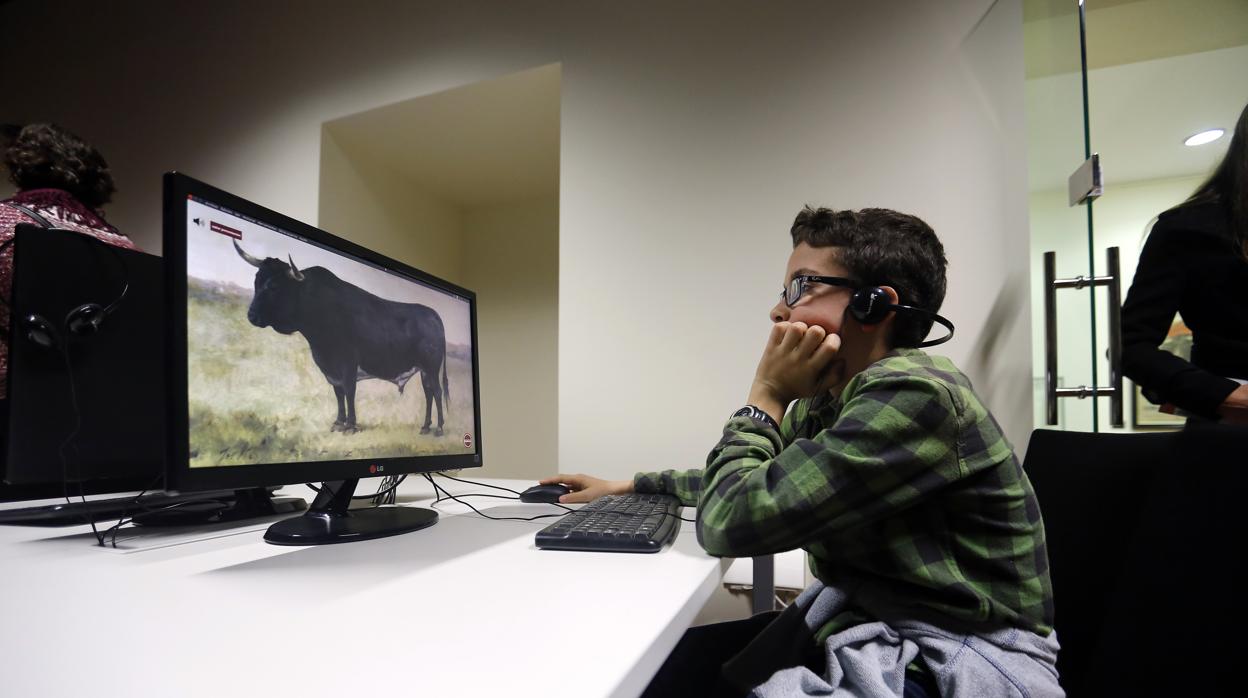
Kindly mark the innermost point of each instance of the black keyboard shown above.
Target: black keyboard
(616, 523)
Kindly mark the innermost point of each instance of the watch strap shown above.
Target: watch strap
(757, 415)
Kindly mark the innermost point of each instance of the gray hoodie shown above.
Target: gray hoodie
(870, 659)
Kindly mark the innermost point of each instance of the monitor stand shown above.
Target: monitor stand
(328, 520)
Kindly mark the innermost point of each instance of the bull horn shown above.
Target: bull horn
(253, 261)
(294, 270)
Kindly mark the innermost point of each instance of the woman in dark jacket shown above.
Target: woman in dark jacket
(1195, 262)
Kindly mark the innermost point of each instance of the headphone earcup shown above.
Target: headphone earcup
(41, 332)
(85, 319)
(870, 305)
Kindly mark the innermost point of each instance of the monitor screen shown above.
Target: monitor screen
(297, 356)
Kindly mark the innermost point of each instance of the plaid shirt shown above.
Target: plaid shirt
(905, 487)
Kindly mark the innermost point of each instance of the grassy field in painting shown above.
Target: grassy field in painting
(257, 397)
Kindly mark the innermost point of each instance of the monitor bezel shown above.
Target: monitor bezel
(180, 475)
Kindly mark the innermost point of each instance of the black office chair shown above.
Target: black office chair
(1143, 532)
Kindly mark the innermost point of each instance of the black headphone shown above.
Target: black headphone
(83, 321)
(871, 305)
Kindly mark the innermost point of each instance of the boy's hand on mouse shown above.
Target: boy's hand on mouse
(586, 488)
(796, 363)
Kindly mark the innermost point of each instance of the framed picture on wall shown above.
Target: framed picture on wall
(1146, 415)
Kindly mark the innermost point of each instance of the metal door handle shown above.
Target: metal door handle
(1052, 391)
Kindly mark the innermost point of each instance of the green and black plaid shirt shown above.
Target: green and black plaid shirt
(906, 485)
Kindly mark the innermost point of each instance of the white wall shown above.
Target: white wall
(691, 135)
(384, 213)
(464, 183)
(511, 260)
(508, 254)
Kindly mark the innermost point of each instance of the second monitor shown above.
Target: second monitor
(297, 356)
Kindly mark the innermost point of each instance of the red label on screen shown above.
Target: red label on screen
(225, 230)
(467, 440)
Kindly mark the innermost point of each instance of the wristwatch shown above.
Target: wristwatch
(757, 415)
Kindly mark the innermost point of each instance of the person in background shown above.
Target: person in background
(1195, 263)
(62, 182)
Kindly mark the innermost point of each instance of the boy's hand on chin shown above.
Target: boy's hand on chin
(798, 361)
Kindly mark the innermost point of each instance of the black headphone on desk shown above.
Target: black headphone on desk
(82, 321)
(871, 305)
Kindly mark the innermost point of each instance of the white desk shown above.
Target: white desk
(468, 607)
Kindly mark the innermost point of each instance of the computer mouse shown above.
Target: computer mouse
(543, 494)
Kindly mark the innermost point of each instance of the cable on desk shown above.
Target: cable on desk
(473, 494)
(567, 510)
(122, 520)
(479, 484)
(438, 487)
(147, 510)
(73, 434)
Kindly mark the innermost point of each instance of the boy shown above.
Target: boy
(921, 527)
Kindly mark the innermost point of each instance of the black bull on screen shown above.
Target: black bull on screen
(353, 334)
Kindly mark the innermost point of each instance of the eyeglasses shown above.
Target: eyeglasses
(797, 287)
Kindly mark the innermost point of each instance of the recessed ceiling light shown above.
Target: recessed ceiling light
(1204, 137)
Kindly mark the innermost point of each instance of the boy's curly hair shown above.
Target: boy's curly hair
(48, 156)
(881, 247)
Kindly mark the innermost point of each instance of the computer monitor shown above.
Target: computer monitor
(83, 408)
(64, 384)
(84, 405)
(296, 356)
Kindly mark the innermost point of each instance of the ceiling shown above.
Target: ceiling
(487, 143)
(1139, 115)
(1047, 9)
(1127, 31)
(1139, 110)
(1160, 71)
